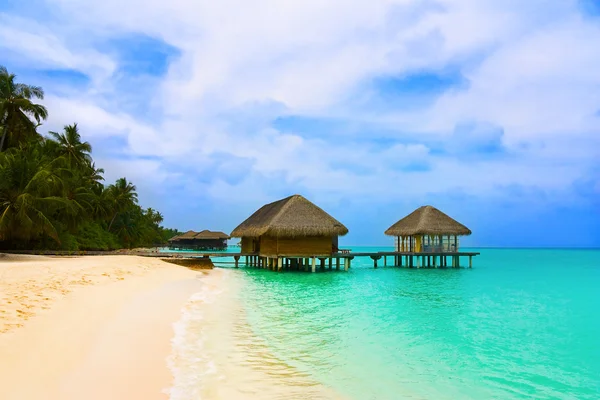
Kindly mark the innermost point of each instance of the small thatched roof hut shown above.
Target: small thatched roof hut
(290, 226)
(427, 228)
(205, 240)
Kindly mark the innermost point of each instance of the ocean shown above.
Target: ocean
(521, 324)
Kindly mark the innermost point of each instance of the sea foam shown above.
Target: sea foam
(188, 362)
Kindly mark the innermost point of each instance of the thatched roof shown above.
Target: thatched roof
(427, 220)
(205, 234)
(187, 235)
(293, 216)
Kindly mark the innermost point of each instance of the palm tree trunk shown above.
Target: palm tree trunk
(2, 140)
(112, 220)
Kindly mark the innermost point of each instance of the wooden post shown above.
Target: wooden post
(337, 263)
(375, 262)
(237, 261)
(385, 261)
(314, 264)
(434, 261)
(470, 261)
(330, 263)
(279, 264)
(322, 263)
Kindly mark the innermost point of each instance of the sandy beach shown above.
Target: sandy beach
(89, 327)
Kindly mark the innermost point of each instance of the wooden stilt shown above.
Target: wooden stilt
(237, 261)
(314, 264)
(470, 261)
(322, 263)
(279, 264)
(337, 263)
(330, 263)
(385, 261)
(434, 261)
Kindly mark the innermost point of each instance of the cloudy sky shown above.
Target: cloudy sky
(486, 109)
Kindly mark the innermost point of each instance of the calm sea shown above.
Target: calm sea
(521, 324)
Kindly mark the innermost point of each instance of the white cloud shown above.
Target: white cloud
(531, 67)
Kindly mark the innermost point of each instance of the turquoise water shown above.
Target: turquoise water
(521, 324)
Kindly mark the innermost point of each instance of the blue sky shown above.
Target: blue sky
(487, 110)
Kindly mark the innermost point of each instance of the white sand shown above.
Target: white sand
(88, 327)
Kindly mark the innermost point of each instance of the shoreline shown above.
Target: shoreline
(128, 327)
(89, 327)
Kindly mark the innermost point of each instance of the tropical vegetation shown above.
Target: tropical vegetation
(52, 195)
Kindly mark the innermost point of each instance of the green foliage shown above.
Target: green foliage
(92, 236)
(51, 193)
(17, 109)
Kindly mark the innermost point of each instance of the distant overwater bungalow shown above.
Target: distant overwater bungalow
(290, 231)
(201, 241)
(430, 233)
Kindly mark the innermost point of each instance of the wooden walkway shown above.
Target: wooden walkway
(299, 262)
(295, 261)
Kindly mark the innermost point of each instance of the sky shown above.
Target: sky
(488, 110)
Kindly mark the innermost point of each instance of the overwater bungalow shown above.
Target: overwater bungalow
(291, 228)
(205, 240)
(427, 229)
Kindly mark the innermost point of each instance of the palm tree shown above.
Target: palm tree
(123, 196)
(154, 216)
(70, 146)
(28, 194)
(17, 109)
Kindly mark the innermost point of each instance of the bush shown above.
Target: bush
(92, 236)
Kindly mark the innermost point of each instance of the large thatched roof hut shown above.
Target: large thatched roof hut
(427, 229)
(205, 240)
(292, 227)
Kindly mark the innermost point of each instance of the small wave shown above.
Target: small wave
(188, 360)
